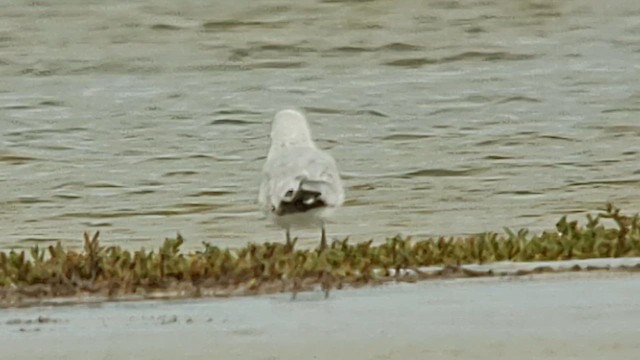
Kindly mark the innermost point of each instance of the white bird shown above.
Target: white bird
(301, 185)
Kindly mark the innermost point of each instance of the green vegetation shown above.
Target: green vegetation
(273, 267)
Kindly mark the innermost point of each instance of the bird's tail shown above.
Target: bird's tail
(307, 196)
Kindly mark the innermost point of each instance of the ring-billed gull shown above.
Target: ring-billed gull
(301, 185)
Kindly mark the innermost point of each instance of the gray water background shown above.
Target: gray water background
(142, 119)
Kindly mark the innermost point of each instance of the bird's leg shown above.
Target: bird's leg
(288, 237)
(323, 239)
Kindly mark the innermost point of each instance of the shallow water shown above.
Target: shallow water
(142, 120)
(557, 316)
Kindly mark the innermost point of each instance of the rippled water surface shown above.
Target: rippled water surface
(145, 118)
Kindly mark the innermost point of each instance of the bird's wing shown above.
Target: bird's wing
(300, 168)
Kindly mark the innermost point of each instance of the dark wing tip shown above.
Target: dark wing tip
(302, 202)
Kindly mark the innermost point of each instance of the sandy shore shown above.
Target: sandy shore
(589, 315)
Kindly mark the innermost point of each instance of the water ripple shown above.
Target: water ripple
(319, 110)
(518, 99)
(273, 64)
(624, 110)
(43, 239)
(407, 136)
(164, 27)
(225, 25)
(67, 196)
(180, 173)
(616, 182)
(14, 159)
(236, 112)
(440, 173)
(39, 132)
(103, 185)
(228, 121)
(210, 193)
(176, 210)
(465, 56)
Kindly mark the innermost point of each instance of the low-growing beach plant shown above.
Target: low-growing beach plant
(112, 271)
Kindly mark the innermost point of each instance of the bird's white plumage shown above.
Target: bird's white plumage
(294, 162)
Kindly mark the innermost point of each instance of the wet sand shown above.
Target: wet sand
(586, 315)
